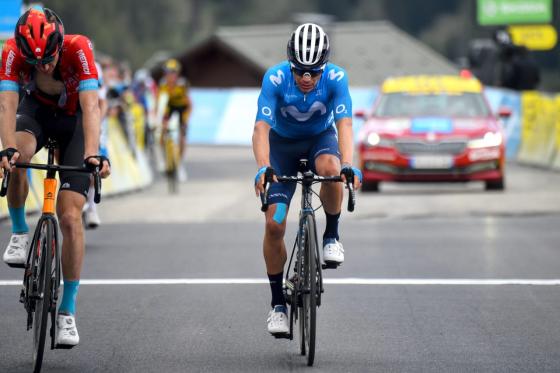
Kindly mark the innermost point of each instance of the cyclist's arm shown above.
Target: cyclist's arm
(261, 146)
(91, 118)
(345, 140)
(10, 67)
(263, 123)
(8, 108)
(343, 114)
(83, 61)
(189, 105)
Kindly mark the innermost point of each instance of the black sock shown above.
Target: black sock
(331, 230)
(276, 289)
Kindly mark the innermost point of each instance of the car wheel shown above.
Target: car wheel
(495, 185)
(371, 186)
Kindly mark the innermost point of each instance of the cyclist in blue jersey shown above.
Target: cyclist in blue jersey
(304, 111)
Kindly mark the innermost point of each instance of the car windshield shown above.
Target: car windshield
(441, 104)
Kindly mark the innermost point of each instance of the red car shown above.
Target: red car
(430, 129)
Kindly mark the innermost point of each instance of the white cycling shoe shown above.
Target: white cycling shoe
(182, 175)
(333, 252)
(91, 218)
(278, 320)
(66, 331)
(16, 252)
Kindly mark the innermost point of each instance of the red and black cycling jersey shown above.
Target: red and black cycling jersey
(75, 69)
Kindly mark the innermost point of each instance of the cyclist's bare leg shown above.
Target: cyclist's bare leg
(19, 186)
(164, 125)
(69, 211)
(182, 141)
(331, 193)
(274, 248)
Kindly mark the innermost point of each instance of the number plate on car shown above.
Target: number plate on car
(431, 162)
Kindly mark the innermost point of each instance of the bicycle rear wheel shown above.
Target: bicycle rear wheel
(171, 164)
(44, 255)
(308, 320)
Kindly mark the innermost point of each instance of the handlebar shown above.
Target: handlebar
(56, 168)
(313, 180)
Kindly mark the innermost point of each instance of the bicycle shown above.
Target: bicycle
(304, 288)
(172, 161)
(42, 275)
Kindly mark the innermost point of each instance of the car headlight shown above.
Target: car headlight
(490, 139)
(373, 139)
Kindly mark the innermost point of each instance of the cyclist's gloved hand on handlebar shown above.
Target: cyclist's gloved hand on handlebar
(260, 178)
(8, 158)
(96, 160)
(349, 172)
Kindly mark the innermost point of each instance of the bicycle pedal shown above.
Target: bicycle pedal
(16, 265)
(281, 335)
(330, 265)
(64, 347)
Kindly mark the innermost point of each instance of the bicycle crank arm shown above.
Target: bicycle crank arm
(37, 296)
(283, 336)
(329, 265)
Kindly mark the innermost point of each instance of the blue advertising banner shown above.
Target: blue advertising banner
(10, 10)
(498, 98)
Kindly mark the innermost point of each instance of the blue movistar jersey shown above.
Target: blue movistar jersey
(294, 114)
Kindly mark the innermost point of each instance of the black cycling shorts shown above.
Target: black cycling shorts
(181, 110)
(46, 122)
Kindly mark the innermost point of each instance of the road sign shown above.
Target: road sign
(534, 37)
(10, 10)
(506, 12)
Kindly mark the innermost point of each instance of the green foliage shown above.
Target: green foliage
(134, 30)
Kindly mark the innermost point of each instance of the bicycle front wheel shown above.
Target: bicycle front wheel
(171, 164)
(308, 319)
(44, 256)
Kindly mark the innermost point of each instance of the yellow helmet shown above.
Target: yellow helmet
(172, 65)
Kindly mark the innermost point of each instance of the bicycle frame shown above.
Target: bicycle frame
(46, 237)
(306, 210)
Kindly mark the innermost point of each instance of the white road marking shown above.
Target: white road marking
(330, 281)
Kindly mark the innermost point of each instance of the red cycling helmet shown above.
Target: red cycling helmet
(39, 35)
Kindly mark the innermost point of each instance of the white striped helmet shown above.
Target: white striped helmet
(308, 48)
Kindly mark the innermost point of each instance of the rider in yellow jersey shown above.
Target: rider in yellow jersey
(177, 90)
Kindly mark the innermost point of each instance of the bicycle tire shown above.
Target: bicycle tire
(310, 281)
(171, 165)
(300, 300)
(42, 304)
(56, 275)
(308, 308)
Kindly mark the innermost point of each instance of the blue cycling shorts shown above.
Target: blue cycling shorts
(285, 154)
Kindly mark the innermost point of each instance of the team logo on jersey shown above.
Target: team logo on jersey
(341, 109)
(83, 60)
(9, 62)
(302, 117)
(267, 112)
(336, 75)
(277, 79)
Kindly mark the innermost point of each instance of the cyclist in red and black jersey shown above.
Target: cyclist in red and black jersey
(58, 76)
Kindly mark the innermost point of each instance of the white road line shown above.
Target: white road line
(330, 281)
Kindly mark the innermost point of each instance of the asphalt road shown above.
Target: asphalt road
(410, 242)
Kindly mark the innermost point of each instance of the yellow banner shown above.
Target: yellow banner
(431, 84)
(534, 37)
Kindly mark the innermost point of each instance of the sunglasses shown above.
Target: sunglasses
(302, 72)
(43, 61)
